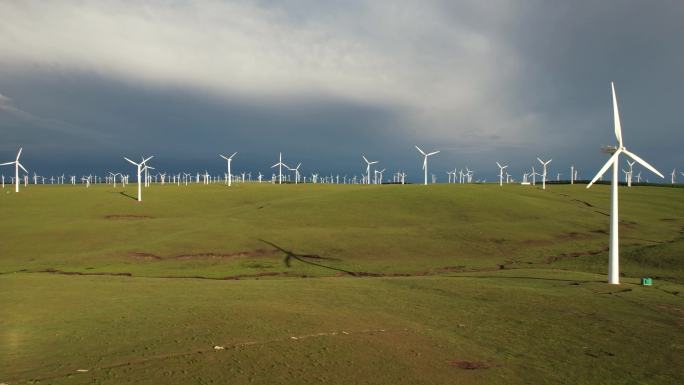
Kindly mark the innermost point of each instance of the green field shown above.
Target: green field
(339, 284)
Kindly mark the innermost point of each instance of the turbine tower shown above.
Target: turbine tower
(501, 168)
(425, 161)
(368, 164)
(544, 172)
(280, 165)
(16, 169)
(140, 167)
(229, 160)
(614, 256)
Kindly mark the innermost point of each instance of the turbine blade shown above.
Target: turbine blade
(616, 116)
(275, 165)
(235, 153)
(433, 153)
(131, 161)
(603, 169)
(19, 153)
(421, 151)
(145, 161)
(498, 164)
(22, 167)
(643, 163)
(223, 157)
(540, 161)
(364, 158)
(5, 164)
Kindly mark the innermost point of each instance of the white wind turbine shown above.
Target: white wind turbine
(280, 165)
(501, 170)
(296, 170)
(425, 161)
(17, 165)
(614, 256)
(572, 174)
(229, 160)
(368, 164)
(629, 175)
(140, 167)
(544, 172)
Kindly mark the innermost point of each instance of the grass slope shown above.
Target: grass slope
(508, 280)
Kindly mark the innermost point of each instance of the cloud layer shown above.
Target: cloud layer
(477, 79)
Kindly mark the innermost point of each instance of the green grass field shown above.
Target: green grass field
(330, 284)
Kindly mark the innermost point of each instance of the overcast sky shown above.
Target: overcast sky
(84, 83)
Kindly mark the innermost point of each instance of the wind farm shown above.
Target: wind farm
(558, 244)
(367, 194)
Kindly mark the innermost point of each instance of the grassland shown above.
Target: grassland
(339, 284)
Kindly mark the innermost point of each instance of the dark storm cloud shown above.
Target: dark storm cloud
(186, 129)
(325, 83)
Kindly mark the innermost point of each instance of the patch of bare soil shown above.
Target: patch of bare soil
(677, 311)
(56, 271)
(252, 253)
(142, 255)
(127, 216)
(565, 236)
(573, 235)
(469, 365)
(598, 353)
(554, 258)
(451, 269)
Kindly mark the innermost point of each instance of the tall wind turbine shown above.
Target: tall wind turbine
(140, 167)
(368, 164)
(614, 256)
(280, 165)
(572, 174)
(425, 161)
(296, 170)
(629, 175)
(544, 173)
(16, 169)
(229, 160)
(501, 169)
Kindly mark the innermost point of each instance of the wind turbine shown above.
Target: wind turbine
(572, 174)
(630, 173)
(229, 160)
(280, 165)
(368, 164)
(614, 256)
(296, 170)
(16, 169)
(140, 167)
(544, 172)
(501, 168)
(425, 160)
(672, 178)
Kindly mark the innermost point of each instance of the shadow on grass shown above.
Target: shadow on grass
(289, 256)
(128, 196)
